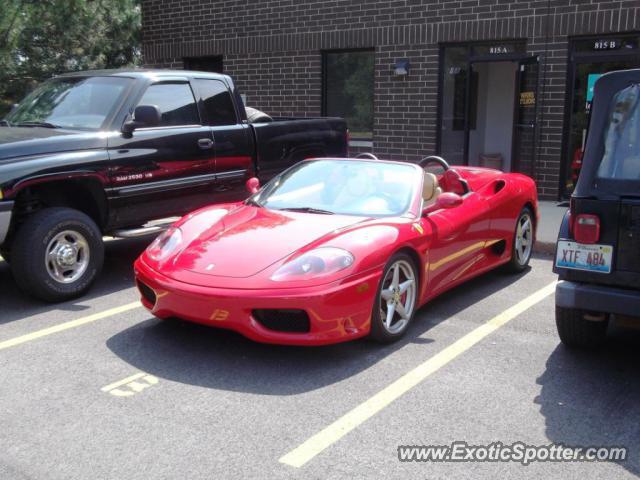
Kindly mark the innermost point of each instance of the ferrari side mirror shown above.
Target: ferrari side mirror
(253, 185)
(445, 200)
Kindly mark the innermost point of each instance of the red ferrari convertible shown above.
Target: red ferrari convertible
(336, 249)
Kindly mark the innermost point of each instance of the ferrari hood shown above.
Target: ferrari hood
(249, 239)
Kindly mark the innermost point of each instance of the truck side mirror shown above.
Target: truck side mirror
(445, 200)
(253, 185)
(143, 116)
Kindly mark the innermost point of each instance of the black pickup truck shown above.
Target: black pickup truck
(117, 153)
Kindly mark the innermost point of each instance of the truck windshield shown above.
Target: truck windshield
(345, 187)
(83, 103)
(621, 158)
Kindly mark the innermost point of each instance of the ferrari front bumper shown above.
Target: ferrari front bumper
(337, 312)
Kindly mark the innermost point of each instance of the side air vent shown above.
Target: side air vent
(498, 248)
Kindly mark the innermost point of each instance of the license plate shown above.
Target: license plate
(578, 256)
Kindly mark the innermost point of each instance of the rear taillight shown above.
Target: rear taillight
(586, 228)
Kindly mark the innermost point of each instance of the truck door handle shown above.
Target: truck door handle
(205, 143)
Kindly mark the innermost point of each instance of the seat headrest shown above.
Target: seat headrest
(452, 182)
(429, 186)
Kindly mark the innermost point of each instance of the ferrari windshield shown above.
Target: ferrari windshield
(346, 187)
(71, 102)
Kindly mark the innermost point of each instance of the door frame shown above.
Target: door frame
(471, 58)
(574, 58)
(536, 113)
(513, 58)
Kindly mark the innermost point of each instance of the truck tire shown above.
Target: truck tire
(576, 331)
(56, 254)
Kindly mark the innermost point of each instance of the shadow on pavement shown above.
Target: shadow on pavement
(593, 398)
(116, 275)
(212, 358)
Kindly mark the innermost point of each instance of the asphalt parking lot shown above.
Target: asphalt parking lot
(97, 388)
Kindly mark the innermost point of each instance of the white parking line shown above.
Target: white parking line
(124, 381)
(338, 429)
(131, 385)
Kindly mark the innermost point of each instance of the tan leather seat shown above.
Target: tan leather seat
(430, 189)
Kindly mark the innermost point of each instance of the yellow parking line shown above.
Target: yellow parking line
(67, 325)
(334, 432)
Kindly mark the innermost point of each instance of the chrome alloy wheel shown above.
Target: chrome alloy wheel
(67, 256)
(397, 297)
(524, 238)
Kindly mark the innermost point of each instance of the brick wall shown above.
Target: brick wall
(273, 50)
(281, 83)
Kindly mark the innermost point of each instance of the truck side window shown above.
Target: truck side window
(175, 101)
(217, 103)
(621, 158)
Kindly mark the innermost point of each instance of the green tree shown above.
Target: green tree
(42, 38)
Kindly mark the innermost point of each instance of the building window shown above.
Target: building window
(348, 90)
(204, 64)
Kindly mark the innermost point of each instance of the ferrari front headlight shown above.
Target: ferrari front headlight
(165, 244)
(320, 262)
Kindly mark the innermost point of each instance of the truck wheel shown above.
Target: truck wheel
(577, 331)
(57, 254)
(522, 246)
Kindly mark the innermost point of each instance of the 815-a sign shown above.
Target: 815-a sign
(498, 49)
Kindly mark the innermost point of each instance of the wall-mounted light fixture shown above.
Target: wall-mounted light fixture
(401, 67)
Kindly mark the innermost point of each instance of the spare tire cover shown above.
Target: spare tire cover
(256, 116)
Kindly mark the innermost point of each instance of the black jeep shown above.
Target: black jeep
(598, 249)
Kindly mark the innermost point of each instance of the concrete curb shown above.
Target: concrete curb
(546, 248)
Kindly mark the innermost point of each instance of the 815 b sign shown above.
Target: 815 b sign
(607, 44)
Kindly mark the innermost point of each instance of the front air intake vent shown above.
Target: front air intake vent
(147, 293)
(283, 320)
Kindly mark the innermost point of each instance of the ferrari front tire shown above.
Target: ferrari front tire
(396, 299)
(522, 245)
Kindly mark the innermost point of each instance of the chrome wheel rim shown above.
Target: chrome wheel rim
(67, 256)
(524, 239)
(397, 297)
